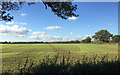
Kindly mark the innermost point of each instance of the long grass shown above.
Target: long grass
(58, 65)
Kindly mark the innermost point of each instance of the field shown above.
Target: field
(15, 54)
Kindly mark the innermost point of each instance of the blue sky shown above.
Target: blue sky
(35, 23)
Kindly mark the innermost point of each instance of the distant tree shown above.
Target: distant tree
(83, 41)
(102, 35)
(86, 40)
(116, 39)
(5, 42)
(77, 41)
(41, 42)
(61, 9)
(72, 41)
(9, 42)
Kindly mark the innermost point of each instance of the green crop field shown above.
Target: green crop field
(15, 54)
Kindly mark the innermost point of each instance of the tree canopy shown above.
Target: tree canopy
(61, 9)
(116, 38)
(86, 40)
(102, 35)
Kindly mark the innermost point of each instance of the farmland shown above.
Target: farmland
(15, 54)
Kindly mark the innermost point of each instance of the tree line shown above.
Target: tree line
(36, 42)
(102, 36)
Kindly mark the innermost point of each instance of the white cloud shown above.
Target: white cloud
(39, 33)
(88, 26)
(42, 36)
(110, 24)
(87, 36)
(14, 30)
(72, 38)
(23, 14)
(53, 27)
(45, 37)
(10, 23)
(20, 23)
(73, 18)
(72, 33)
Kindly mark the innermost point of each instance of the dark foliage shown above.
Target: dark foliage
(86, 40)
(116, 39)
(8, 6)
(61, 9)
(83, 66)
(102, 35)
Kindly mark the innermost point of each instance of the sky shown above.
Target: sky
(35, 23)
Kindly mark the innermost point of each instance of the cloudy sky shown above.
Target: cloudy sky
(35, 23)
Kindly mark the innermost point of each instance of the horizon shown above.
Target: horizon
(35, 23)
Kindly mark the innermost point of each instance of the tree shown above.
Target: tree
(77, 41)
(102, 35)
(61, 9)
(86, 40)
(116, 39)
